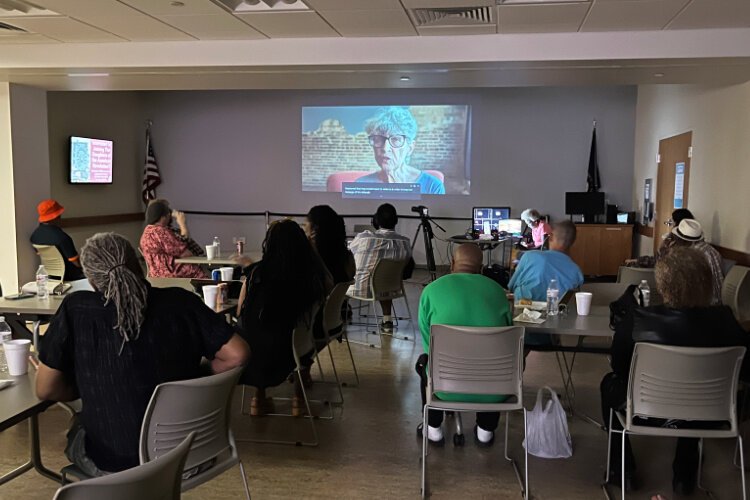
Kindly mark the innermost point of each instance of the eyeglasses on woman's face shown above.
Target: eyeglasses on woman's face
(396, 141)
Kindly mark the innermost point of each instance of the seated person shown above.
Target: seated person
(278, 293)
(161, 244)
(667, 243)
(49, 232)
(391, 135)
(111, 347)
(370, 247)
(683, 278)
(463, 298)
(539, 228)
(327, 234)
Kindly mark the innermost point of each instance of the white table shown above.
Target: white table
(224, 259)
(18, 403)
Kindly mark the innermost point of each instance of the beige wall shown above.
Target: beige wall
(117, 116)
(8, 268)
(719, 189)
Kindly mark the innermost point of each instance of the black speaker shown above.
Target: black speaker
(611, 214)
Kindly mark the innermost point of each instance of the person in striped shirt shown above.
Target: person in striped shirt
(369, 247)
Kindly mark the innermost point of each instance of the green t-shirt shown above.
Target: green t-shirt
(463, 300)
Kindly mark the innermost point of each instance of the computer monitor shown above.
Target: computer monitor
(511, 226)
(488, 218)
(587, 204)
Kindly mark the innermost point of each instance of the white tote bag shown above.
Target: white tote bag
(547, 433)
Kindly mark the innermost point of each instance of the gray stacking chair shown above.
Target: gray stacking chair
(634, 275)
(735, 292)
(695, 384)
(198, 405)
(53, 262)
(156, 480)
(476, 360)
(335, 327)
(302, 343)
(386, 282)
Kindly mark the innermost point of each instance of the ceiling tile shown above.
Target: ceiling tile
(353, 23)
(221, 27)
(61, 28)
(27, 38)
(86, 8)
(289, 24)
(714, 14)
(138, 28)
(354, 4)
(160, 8)
(631, 15)
(540, 18)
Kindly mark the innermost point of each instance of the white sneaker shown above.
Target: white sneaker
(435, 434)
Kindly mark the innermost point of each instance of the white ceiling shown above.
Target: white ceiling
(192, 44)
(168, 20)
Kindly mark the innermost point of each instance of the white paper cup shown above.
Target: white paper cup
(583, 303)
(17, 355)
(226, 273)
(209, 295)
(211, 252)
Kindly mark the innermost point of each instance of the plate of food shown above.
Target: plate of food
(534, 305)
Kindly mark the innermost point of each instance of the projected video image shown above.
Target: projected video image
(391, 152)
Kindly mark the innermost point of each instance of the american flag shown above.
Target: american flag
(151, 175)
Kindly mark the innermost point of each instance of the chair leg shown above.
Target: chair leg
(242, 400)
(244, 480)
(622, 465)
(742, 467)
(609, 449)
(525, 459)
(411, 318)
(309, 411)
(320, 368)
(424, 451)
(351, 357)
(336, 378)
(522, 482)
(377, 331)
(700, 467)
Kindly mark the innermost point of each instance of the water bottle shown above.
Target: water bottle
(645, 293)
(5, 334)
(41, 283)
(217, 244)
(553, 298)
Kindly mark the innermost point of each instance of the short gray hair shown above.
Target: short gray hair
(530, 215)
(396, 119)
(565, 233)
(111, 265)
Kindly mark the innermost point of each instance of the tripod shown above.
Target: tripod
(427, 233)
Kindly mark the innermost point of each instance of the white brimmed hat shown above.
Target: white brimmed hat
(689, 230)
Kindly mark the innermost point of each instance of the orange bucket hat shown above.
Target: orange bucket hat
(49, 210)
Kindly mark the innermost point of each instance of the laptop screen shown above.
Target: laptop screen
(488, 218)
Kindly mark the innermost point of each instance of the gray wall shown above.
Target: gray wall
(240, 150)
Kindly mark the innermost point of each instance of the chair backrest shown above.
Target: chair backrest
(684, 383)
(178, 408)
(52, 261)
(361, 228)
(634, 275)
(332, 309)
(303, 341)
(387, 277)
(735, 292)
(156, 480)
(604, 293)
(477, 360)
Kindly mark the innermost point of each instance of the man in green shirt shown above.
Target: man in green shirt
(464, 298)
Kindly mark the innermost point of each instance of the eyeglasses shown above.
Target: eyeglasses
(396, 141)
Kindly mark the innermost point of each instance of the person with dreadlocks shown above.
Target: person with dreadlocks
(279, 291)
(112, 346)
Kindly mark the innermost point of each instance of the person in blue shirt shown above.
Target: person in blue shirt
(391, 134)
(536, 269)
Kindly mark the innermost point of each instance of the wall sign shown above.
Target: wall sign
(679, 184)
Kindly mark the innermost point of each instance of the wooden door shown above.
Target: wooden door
(672, 151)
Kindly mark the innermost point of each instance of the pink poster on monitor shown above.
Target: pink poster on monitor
(91, 161)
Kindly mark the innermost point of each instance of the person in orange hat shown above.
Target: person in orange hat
(49, 232)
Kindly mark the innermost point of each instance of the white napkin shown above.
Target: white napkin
(529, 316)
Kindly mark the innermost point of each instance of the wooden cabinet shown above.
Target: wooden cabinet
(600, 249)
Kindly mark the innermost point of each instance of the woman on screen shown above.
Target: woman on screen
(391, 134)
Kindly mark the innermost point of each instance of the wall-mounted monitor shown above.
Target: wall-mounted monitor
(90, 161)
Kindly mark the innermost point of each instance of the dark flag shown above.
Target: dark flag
(151, 175)
(593, 181)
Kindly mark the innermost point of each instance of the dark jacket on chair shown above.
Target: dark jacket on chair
(713, 326)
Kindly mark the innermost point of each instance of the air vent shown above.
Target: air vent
(467, 16)
(7, 27)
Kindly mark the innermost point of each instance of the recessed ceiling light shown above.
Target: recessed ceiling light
(177, 4)
(78, 75)
(405, 78)
(658, 75)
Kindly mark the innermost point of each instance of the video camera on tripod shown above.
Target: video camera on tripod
(427, 233)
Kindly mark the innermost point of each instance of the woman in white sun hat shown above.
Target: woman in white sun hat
(690, 233)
